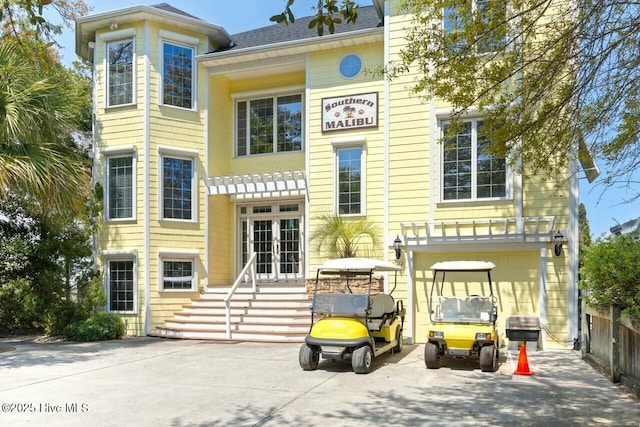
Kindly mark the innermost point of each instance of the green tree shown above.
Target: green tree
(47, 275)
(611, 273)
(545, 74)
(584, 231)
(38, 110)
(327, 12)
(341, 237)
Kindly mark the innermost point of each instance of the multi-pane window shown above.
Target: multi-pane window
(468, 170)
(120, 285)
(177, 75)
(177, 188)
(119, 187)
(120, 72)
(269, 125)
(489, 29)
(178, 274)
(349, 180)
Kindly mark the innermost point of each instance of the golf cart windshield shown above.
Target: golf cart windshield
(335, 303)
(460, 295)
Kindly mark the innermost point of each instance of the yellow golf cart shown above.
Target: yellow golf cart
(359, 326)
(463, 312)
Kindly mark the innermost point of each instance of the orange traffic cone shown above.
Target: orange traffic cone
(523, 364)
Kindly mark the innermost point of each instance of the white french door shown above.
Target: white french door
(274, 233)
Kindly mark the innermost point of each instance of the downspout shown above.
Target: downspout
(147, 185)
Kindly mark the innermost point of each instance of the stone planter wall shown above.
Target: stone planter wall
(339, 285)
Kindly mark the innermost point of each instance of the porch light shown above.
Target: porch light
(397, 246)
(558, 239)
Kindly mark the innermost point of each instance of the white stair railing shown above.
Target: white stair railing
(250, 265)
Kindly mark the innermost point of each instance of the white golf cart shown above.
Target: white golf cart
(462, 309)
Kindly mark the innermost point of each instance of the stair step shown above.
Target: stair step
(207, 334)
(276, 313)
(277, 318)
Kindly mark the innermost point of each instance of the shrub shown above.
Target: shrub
(611, 273)
(102, 326)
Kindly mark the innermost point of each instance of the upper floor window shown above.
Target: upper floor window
(468, 171)
(178, 184)
(120, 186)
(120, 72)
(349, 180)
(177, 75)
(488, 34)
(350, 66)
(269, 125)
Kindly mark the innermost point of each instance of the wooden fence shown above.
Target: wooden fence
(612, 340)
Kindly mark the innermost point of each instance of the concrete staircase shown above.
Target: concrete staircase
(275, 313)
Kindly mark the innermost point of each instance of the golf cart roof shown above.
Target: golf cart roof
(463, 266)
(358, 264)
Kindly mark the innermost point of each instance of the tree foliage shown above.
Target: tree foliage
(47, 276)
(327, 12)
(611, 273)
(44, 110)
(343, 237)
(545, 74)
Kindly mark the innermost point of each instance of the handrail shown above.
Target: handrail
(251, 264)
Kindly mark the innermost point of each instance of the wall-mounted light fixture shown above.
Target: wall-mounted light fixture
(397, 246)
(558, 239)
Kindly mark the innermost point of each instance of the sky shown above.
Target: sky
(604, 209)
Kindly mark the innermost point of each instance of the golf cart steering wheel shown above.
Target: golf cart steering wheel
(475, 302)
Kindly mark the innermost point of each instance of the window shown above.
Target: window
(350, 66)
(120, 73)
(349, 180)
(120, 286)
(120, 190)
(269, 125)
(489, 35)
(178, 274)
(178, 182)
(468, 171)
(177, 73)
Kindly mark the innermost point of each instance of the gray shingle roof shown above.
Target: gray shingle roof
(299, 30)
(167, 7)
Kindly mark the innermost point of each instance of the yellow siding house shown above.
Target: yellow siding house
(216, 152)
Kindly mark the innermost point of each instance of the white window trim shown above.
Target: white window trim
(181, 256)
(111, 37)
(474, 156)
(183, 154)
(346, 143)
(116, 152)
(124, 255)
(258, 94)
(182, 41)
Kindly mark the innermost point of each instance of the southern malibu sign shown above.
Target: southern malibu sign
(350, 112)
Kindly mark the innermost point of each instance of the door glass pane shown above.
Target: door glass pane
(289, 245)
(262, 245)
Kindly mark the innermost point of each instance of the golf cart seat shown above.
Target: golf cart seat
(382, 308)
(450, 308)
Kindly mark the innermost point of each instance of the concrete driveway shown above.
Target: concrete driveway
(155, 382)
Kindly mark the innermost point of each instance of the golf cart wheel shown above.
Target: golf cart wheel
(308, 358)
(362, 359)
(488, 358)
(431, 355)
(398, 347)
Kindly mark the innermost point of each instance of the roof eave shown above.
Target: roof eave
(293, 47)
(86, 26)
